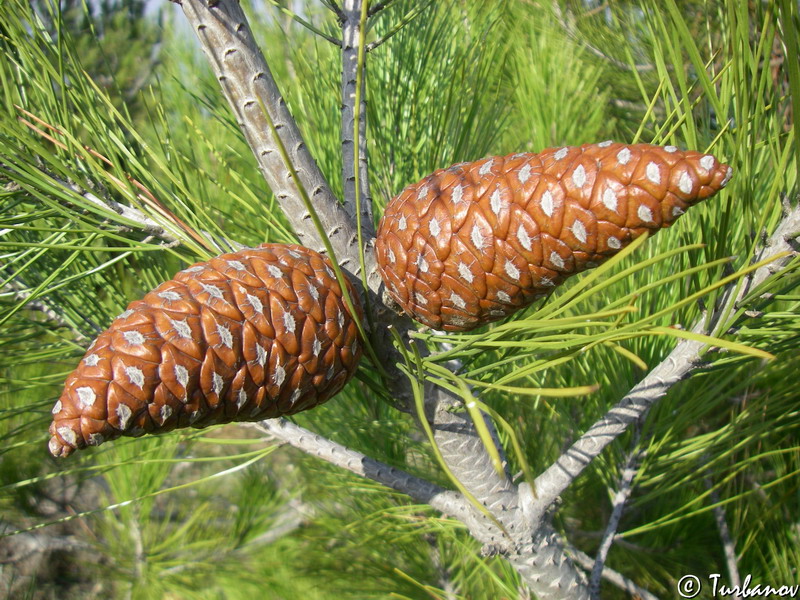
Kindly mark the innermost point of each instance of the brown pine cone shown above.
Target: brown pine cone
(475, 242)
(246, 336)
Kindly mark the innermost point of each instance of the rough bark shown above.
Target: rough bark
(248, 85)
(352, 42)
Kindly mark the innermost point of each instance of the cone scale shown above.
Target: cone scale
(478, 241)
(250, 335)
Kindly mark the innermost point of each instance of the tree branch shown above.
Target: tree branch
(674, 368)
(547, 569)
(250, 88)
(420, 490)
(728, 543)
(678, 365)
(21, 546)
(412, 14)
(16, 285)
(22, 293)
(783, 239)
(114, 208)
(538, 556)
(353, 53)
(612, 576)
(295, 17)
(620, 499)
(246, 80)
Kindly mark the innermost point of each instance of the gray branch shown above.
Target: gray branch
(783, 239)
(678, 365)
(445, 580)
(620, 499)
(248, 85)
(21, 546)
(674, 368)
(612, 576)
(352, 38)
(132, 217)
(525, 535)
(539, 556)
(22, 293)
(728, 543)
(334, 8)
(378, 7)
(290, 518)
(547, 569)
(332, 452)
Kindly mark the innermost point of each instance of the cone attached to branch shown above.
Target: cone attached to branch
(475, 242)
(246, 336)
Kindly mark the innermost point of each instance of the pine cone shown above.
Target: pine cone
(246, 336)
(475, 242)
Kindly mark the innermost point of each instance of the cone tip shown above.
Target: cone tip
(58, 448)
(728, 173)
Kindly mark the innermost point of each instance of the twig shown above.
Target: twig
(293, 516)
(286, 521)
(454, 434)
(140, 219)
(538, 556)
(444, 578)
(248, 85)
(21, 546)
(620, 499)
(22, 294)
(139, 554)
(728, 543)
(783, 239)
(547, 568)
(405, 20)
(611, 576)
(334, 8)
(295, 17)
(378, 7)
(465, 453)
(145, 195)
(674, 368)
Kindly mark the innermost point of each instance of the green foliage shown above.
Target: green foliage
(558, 96)
(437, 88)
(224, 513)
